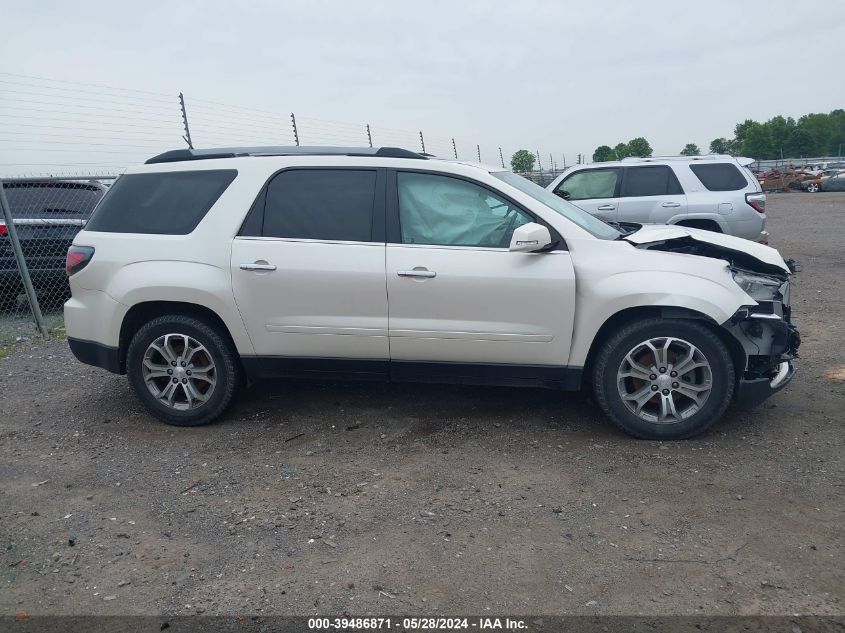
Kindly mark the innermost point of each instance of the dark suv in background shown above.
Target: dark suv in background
(47, 215)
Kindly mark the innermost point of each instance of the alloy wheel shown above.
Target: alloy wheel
(664, 380)
(179, 371)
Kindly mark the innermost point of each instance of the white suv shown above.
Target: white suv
(713, 192)
(206, 269)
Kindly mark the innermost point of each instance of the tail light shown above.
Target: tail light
(757, 201)
(4, 230)
(77, 258)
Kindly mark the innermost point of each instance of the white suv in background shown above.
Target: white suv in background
(203, 270)
(714, 192)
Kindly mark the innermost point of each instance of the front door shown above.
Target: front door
(594, 190)
(456, 293)
(308, 275)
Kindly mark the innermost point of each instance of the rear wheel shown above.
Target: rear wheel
(664, 379)
(813, 187)
(183, 369)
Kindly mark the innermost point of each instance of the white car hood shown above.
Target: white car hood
(657, 233)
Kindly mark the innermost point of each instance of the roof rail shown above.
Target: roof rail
(177, 155)
(637, 159)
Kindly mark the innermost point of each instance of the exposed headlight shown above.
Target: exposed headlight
(758, 287)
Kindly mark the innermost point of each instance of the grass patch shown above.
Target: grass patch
(3, 352)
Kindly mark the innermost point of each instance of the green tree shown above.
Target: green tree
(800, 144)
(522, 161)
(757, 142)
(621, 151)
(690, 149)
(639, 147)
(603, 154)
(741, 130)
(721, 146)
(781, 129)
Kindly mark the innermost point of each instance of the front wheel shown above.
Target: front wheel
(664, 379)
(813, 187)
(183, 369)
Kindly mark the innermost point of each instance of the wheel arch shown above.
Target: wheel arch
(628, 315)
(143, 312)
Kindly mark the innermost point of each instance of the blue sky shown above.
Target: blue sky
(558, 77)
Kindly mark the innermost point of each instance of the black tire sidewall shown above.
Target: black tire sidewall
(220, 351)
(697, 333)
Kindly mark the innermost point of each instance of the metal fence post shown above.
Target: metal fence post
(478, 149)
(422, 142)
(295, 133)
(454, 149)
(21, 260)
(187, 136)
(369, 136)
(501, 158)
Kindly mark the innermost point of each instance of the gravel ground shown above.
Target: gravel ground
(340, 497)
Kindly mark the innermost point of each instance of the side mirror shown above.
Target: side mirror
(562, 193)
(530, 238)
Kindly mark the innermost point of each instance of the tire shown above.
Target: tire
(813, 188)
(207, 381)
(687, 343)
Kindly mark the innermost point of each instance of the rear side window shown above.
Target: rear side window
(321, 204)
(719, 176)
(166, 203)
(52, 200)
(656, 180)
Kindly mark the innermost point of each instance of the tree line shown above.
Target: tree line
(815, 134)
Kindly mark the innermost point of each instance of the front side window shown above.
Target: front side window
(452, 212)
(656, 180)
(321, 204)
(591, 183)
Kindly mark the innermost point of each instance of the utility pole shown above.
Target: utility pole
(295, 133)
(187, 135)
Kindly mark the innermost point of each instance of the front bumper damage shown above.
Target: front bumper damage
(770, 343)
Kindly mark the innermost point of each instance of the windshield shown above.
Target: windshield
(568, 210)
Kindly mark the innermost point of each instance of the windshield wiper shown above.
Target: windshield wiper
(625, 228)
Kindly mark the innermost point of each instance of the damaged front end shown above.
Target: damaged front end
(769, 340)
(766, 333)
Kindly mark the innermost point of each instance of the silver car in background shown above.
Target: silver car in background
(714, 192)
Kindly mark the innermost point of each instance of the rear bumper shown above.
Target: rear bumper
(96, 354)
(754, 391)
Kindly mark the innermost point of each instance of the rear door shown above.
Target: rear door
(308, 267)
(651, 194)
(594, 190)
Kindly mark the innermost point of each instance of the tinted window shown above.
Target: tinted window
(166, 203)
(453, 212)
(719, 176)
(650, 181)
(321, 204)
(39, 200)
(592, 183)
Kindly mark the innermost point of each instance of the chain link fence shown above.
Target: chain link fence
(39, 219)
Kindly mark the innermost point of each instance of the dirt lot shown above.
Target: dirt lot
(327, 497)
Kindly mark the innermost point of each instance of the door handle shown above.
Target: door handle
(417, 272)
(671, 204)
(606, 207)
(258, 266)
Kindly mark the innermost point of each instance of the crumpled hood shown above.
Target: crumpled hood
(663, 233)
